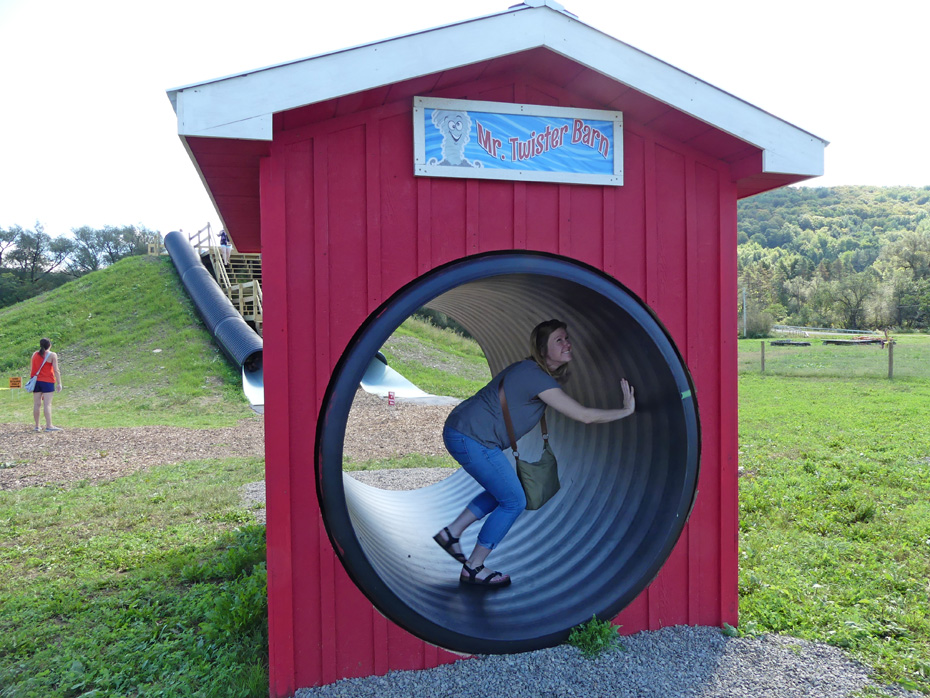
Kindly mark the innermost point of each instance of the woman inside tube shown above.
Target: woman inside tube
(476, 435)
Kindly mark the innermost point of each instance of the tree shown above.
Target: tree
(783, 236)
(759, 282)
(910, 251)
(86, 257)
(98, 248)
(8, 240)
(850, 295)
(32, 262)
(818, 311)
(37, 254)
(909, 299)
(798, 291)
(881, 308)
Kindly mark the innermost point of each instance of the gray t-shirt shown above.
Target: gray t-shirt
(480, 416)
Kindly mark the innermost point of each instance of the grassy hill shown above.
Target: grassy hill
(131, 348)
(439, 361)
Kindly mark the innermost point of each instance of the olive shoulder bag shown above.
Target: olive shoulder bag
(540, 480)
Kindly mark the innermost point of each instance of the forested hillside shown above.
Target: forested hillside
(850, 257)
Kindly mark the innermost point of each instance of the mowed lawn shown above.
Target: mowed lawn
(835, 503)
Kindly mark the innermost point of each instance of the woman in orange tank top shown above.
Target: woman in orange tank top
(48, 378)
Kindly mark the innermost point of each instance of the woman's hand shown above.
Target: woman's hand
(560, 401)
(629, 400)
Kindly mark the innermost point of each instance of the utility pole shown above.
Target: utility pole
(744, 313)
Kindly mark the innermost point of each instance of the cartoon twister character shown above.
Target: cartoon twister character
(455, 127)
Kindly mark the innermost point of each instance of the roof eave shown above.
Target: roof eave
(242, 106)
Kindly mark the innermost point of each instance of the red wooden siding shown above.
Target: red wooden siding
(345, 224)
(704, 329)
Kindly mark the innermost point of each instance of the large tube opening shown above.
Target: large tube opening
(627, 487)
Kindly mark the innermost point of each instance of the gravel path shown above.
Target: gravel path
(62, 458)
(29, 458)
(669, 663)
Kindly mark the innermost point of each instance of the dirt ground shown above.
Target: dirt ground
(29, 458)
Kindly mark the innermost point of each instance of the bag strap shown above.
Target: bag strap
(509, 422)
(47, 352)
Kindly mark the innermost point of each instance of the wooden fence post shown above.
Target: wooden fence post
(890, 360)
(763, 356)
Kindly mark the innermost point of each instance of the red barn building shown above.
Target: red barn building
(324, 166)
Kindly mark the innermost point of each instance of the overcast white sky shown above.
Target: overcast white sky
(89, 136)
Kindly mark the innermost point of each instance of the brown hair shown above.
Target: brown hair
(44, 346)
(539, 347)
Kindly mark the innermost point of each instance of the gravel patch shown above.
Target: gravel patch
(376, 431)
(29, 458)
(406, 479)
(253, 499)
(668, 663)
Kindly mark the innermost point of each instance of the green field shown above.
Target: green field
(834, 506)
(150, 585)
(153, 584)
(437, 360)
(910, 358)
(835, 516)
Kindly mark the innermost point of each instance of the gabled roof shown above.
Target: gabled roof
(765, 152)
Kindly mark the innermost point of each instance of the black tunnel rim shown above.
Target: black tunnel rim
(340, 393)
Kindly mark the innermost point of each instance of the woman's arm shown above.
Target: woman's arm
(57, 372)
(562, 402)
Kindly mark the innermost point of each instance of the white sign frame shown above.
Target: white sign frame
(423, 169)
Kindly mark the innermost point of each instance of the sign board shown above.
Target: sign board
(524, 142)
(16, 383)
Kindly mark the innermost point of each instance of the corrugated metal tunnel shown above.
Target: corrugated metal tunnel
(627, 487)
(237, 340)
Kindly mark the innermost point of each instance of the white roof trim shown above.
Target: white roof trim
(241, 106)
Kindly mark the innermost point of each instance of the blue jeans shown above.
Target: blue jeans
(503, 499)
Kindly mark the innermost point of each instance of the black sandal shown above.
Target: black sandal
(488, 581)
(447, 545)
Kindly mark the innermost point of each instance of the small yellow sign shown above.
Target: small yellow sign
(16, 383)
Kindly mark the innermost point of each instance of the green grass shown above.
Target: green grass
(131, 349)
(149, 585)
(595, 637)
(911, 359)
(439, 361)
(835, 516)
(410, 460)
